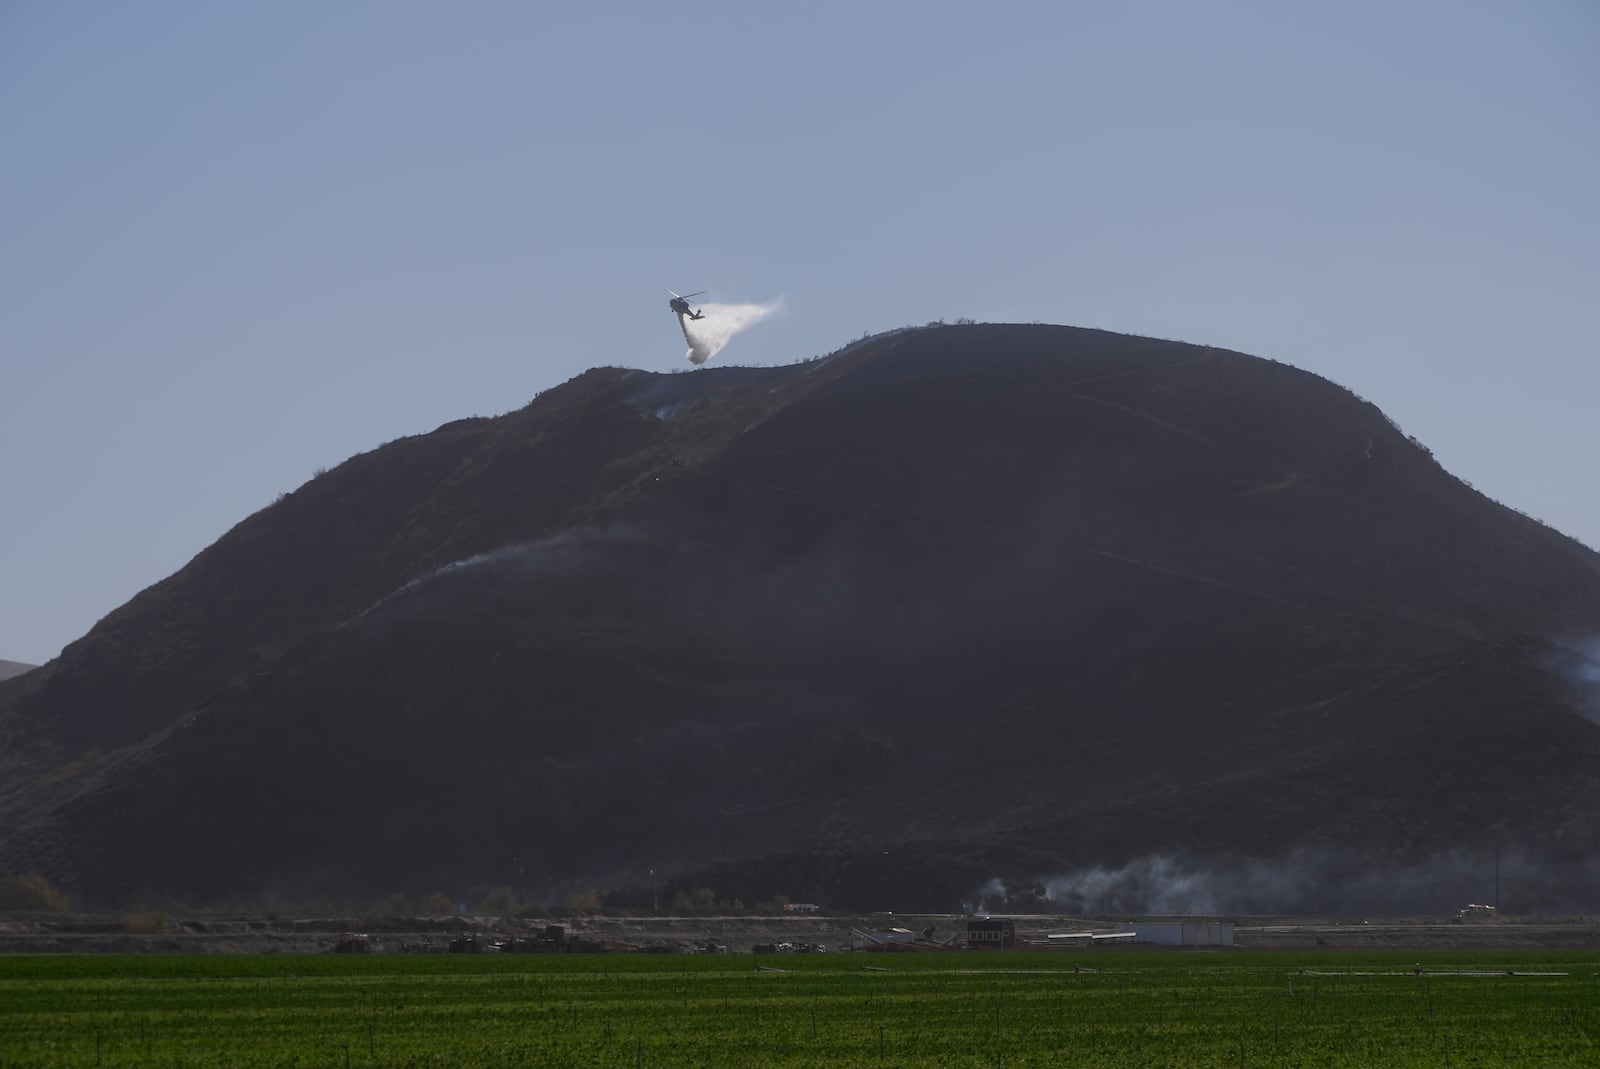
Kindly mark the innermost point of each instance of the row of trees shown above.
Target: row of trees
(403, 904)
(31, 892)
(694, 902)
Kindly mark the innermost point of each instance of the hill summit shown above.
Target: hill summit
(950, 604)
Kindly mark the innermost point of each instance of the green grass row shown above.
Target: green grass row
(969, 1010)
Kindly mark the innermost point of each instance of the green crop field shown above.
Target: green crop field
(977, 1010)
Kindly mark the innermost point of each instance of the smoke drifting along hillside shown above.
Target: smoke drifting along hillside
(708, 336)
(1309, 881)
(1577, 665)
(1588, 678)
(559, 553)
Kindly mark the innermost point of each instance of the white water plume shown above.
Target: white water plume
(720, 322)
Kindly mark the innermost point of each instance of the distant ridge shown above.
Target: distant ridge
(14, 668)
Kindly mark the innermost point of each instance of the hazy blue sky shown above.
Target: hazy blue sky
(244, 241)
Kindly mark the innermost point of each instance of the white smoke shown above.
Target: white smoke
(1588, 673)
(992, 896)
(558, 553)
(1305, 880)
(721, 322)
(1577, 664)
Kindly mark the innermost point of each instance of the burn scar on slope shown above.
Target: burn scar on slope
(1148, 417)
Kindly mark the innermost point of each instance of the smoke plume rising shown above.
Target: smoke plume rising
(707, 336)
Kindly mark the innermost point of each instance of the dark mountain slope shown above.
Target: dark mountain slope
(1027, 595)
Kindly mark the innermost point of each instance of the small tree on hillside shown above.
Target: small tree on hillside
(438, 902)
(30, 891)
(501, 902)
(702, 901)
(585, 901)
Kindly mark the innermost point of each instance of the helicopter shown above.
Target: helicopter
(680, 304)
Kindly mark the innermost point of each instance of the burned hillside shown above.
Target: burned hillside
(982, 598)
